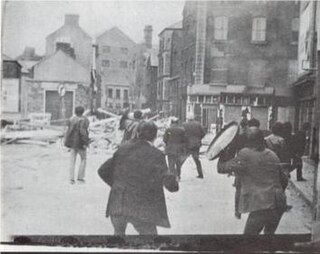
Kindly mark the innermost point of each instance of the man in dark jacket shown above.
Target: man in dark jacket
(194, 133)
(299, 143)
(261, 195)
(137, 173)
(77, 139)
(130, 125)
(175, 140)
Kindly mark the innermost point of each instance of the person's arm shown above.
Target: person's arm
(166, 137)
(84, 133)
(169, 180)
(227, 164)
(106, 171)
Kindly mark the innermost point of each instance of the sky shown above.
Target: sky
(27, 23)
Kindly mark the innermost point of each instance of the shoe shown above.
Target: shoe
(72, 182)
(288, 208)
(199, 176)
(301, 180)
(81, 181)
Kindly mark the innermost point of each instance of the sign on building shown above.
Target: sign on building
(10, 95)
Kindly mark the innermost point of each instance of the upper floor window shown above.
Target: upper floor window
(125, 94)
(123, 64)
(221, 28)
(117, 93)
(105, 63)
(124, 51)
(106, 49)
(259, 26)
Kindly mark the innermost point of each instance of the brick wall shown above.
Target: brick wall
(35, 100)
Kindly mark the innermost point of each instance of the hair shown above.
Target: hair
(147, 130)
(79, 110)
(244, 123)
(137, 114)
(277, 128)
(253, 122)
(286, 129)
(255, 139)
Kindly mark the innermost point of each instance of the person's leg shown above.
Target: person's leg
(237, 198)
(255, 223)
(172, 164)
(119, 224)
(298, 163)
(273, 221)
(73, 156)
(82, 167)
(144, 228)
(178, 166)
(195, 156)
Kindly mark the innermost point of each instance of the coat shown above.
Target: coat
(130, 130)
(276, 144)
(137, 173)
(260, 176)
(194, 133)
(77, 135)
(175, 140)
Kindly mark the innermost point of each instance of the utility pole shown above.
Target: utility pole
(93, 90)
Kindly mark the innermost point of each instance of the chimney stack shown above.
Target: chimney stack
(148, 36)
(71, 20)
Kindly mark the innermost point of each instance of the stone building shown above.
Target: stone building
(151, 80)
(239, 57)
(304, 86)
(170, 90)
(51, 75)
(72, 39)
(115, 50)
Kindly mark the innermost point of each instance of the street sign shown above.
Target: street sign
(61, 90)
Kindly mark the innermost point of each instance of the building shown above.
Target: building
(72, 39)
(170, 99)
(59, 85)
(115, 50)
(239, 59)
(305, 89)
(28, 59)
(143, 66)
(11, 89)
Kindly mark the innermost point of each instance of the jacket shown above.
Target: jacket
(194, 133)
(130, 130)
(277, 145)
(77, 135)
(175, 140)
(260, 176)
(137, 173)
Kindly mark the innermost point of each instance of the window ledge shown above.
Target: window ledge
(259, 42)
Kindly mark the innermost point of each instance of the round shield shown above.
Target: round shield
(222, 140)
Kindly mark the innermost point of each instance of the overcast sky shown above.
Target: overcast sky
(27, 23)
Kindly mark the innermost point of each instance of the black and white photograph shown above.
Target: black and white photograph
(160, 125)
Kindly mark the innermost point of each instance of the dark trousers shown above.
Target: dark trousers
(297, 164)
(195, 155)
(174, 162)
(237, 185)
(143, 228)
(266, 220)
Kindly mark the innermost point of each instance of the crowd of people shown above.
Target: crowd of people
(138, 171)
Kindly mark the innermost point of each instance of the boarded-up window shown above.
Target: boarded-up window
(259, 26)
(221, 28)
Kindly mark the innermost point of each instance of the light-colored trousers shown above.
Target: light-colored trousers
(83, 162)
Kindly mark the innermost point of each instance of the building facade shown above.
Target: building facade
(168, 88)
(238, 60)
(115, 50)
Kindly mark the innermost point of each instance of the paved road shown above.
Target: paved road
(38, 199)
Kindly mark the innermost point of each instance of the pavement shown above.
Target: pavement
(304, 188)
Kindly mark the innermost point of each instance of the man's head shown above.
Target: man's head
(79, 110)
(253, 122)
(174, 120)
(277, 128)
(137, 114)
(147, 130)
(255, 138)
(287, 128)
(190, 116)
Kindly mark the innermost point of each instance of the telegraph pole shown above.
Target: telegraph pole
(93, 90)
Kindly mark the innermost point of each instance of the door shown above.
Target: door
(54, 104)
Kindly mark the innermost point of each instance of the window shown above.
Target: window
(125, 94)
(200, 98)
(117, 93)
(257, 74)
(219, 70)
(259, 29)
(105, 63)
(166, 67)
(106, 49)
(124, 51)
(123, 64)
(220, 28)
(110, 93)
(295, 23)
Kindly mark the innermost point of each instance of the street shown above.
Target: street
(38, 199)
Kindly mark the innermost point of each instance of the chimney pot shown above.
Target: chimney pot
(71, 20)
